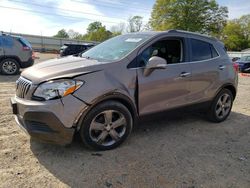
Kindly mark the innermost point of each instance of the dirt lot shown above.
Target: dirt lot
(180, 151)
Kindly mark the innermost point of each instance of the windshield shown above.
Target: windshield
(64, 47)
(116, 48)
(244, 58)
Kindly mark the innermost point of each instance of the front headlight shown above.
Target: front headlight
(57, 88)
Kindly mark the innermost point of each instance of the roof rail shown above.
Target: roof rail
(172, 31)
(192, 33)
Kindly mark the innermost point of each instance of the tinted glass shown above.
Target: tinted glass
(25, 42)
(214, 52)
(7, 41)
(200, 50)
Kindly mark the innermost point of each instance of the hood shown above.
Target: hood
(63, 67)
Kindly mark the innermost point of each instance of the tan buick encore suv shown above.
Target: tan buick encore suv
(102, 93)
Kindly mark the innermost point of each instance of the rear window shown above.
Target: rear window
(24, 42)
(202, 50)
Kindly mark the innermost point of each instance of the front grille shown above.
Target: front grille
(22, 87)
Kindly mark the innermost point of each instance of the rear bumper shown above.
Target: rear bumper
(26, 64)
(43, 126)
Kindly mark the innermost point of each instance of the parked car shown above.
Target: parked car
(74, 49)
(244, 64)
(103, 93)
(15, 53)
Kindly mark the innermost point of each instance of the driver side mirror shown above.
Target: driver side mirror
(154, 62)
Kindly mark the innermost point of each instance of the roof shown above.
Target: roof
(176, 31)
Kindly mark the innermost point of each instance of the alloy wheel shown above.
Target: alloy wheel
(108, 127)
(223, 106)
(9, 67)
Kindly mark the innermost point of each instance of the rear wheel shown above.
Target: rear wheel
(106, 126)
(9, 66)
(221, 106)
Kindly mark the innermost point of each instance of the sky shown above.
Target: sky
(46, 17)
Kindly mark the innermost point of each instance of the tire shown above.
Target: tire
(106, 126)
(221, 106)
(9, 66)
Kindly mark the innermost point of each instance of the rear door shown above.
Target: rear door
(164, 88)
(207, 69)
(8, 46)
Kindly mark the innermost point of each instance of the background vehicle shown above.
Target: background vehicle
(244, 64)
(74, 49)
(102, 93)
(15, 53)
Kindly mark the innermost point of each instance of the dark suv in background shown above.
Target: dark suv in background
(15, 53)
(244, 64)
(74, 49)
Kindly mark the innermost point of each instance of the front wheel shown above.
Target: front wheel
(221, 106)
(106, 126)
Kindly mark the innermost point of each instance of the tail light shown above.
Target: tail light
(236, 67)
(26, 48)
(33, 55)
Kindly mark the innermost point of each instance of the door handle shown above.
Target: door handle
(185, 74)
(222, 67)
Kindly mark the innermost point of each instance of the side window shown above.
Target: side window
(214, 52)
(170, 49)
(7, 42)
(202, 50)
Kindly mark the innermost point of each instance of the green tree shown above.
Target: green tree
(135, 24)
(62, 34)
(94, 26)
(236, 34)
(74, 35)
(117, 29)
(97, 32)
(245, 25)
(192, 15)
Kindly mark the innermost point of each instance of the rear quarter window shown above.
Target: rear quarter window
(24, 42)
(202, 50)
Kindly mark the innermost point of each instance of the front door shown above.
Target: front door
(164, 88)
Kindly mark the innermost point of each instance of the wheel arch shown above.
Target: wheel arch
(10, 57)
(230, 87)
(114, 96)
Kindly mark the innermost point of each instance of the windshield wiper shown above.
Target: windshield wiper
(87, 57)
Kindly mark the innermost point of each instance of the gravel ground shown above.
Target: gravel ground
(183, 150)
